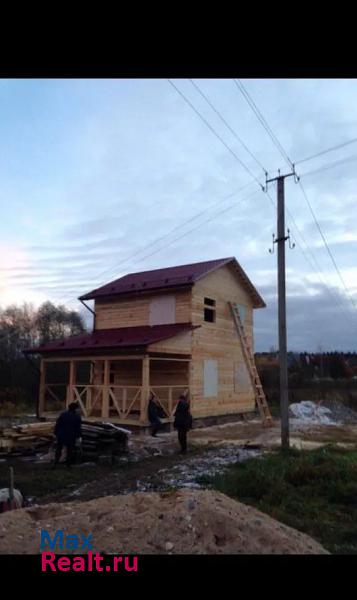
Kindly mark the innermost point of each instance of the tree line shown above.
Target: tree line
(23, 327)
(304, 367)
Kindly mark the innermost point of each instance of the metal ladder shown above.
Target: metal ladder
(252, 369)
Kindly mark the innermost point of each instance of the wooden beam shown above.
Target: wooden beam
(94, 358)
(105, 402)
(145, 386)
(41, 400)
(190, 381)
(72, 382)
(171, 359)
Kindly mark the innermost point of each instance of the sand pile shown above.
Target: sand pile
(179, 522)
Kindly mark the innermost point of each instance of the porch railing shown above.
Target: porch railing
(168, 397)
(123, 403)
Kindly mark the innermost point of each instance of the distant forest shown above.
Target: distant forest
(23, 327)
(307, 366)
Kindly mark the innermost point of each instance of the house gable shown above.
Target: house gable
(223, 278)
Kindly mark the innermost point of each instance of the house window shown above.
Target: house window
(162, 310)
(210, 378)
(209, 311)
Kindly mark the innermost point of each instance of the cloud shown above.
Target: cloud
(311, 320)
(89, 184)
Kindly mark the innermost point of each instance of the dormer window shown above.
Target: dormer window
(209, 311)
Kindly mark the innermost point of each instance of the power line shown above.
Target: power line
(179, 226)
(193, 229)
(337, 147)
(331, 165)
(222, 141)
(71, 300)
(284, 154)
(204, 96)
(325, 243)
(200, 225)
(215, 132)
(64, 297)
(315, 267)
(263, 121)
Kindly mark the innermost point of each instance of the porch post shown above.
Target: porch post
(105, 404)
(89, 391)
(72, 382)
(41, 398)
(145, 386)
(190, 374)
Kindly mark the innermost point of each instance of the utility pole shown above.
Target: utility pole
(283, 363)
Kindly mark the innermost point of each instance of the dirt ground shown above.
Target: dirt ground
(252, 434)
(153, 464)
(179, 522)
(152, 500)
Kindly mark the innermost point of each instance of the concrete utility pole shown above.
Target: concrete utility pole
(283, 364)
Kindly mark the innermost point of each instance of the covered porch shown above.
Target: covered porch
(114, 388)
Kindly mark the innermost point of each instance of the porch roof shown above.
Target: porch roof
(108, 339)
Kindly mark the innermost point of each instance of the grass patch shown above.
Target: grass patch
(312, 491)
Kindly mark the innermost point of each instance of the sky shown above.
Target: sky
(103, 177)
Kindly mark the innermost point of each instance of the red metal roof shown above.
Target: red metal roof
(107, 339)
(181, 276)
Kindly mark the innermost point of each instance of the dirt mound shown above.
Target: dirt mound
(179, 522)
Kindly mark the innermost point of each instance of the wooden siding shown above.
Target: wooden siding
(167, 373)
(219, 341)
(134, 312)
(179, 344)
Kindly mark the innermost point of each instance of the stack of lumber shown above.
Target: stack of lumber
(102, 439)
(26, 439)
(97, 439)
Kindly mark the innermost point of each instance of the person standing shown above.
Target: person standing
(154, 413)
(68, 430)
(183, 421)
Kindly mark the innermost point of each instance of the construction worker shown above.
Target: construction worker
(183, 421)
(68, 433)
(155, 412)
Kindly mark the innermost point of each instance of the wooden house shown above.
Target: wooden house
(170, 331)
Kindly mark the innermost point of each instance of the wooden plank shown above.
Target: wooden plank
(170, 359)
(145, 386)
(90, 357)
(72, 382)
(79, 400)
(41, 403)
(105, 402)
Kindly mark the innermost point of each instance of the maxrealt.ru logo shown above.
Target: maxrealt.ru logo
(60, 542)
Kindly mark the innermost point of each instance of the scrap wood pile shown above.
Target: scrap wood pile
(36, 438)
(26, 439)
(103, 438)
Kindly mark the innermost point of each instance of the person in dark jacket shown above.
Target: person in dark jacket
(183, 422)
(68, 430)
(155, 412)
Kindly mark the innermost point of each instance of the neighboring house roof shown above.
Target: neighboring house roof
(172, 277)
(107, 339)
